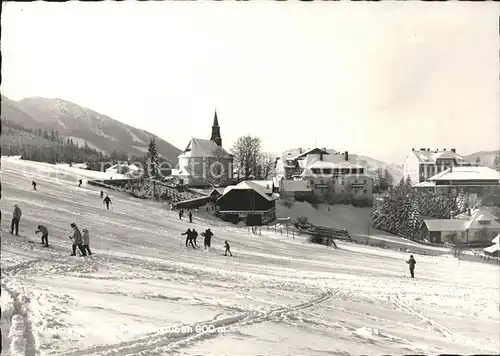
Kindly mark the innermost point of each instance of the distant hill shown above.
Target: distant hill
(395, 170)
(487, 158)
(84, 125)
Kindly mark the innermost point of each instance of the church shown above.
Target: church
(204, 163)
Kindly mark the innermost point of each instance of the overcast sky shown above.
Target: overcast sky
(371, 78)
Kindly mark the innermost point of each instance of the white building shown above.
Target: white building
(424, 163)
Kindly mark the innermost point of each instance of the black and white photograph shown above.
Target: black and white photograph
(250, 178)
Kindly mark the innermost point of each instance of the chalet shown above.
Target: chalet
(250, 201)
(480, 225)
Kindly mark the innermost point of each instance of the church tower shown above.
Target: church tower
(216, 131)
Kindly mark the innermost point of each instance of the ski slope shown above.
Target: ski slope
(143, 292)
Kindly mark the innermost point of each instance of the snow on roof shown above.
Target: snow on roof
(217, 190)
(198, 147)
(331, 165)
(432, 156)
(481, 215)
(467, 173)
(496, 240)
(267, 185)
(425, 184)
(445, 224)
(251, 185)
(492, 249)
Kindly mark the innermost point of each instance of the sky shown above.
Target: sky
(370, 78)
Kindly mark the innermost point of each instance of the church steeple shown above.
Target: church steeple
(216, 131)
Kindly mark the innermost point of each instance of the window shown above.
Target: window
(364, 182)
(484, 222)
(364, 191)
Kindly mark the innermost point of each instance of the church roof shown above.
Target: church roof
(199, 147)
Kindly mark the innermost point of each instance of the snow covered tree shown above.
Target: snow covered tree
(461, 202)
(266, 165)
(152, 159)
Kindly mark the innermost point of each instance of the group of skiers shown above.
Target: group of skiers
(82, 241)
(192, 235)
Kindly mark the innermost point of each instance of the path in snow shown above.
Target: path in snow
(278, 295)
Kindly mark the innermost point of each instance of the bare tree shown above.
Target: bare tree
(246, 153)
(267, 165)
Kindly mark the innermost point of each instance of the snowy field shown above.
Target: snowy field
(144, 293)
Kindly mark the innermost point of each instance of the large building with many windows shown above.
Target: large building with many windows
(424, 163)
(330, 174)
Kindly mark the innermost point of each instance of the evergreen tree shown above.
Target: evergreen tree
(153, 159)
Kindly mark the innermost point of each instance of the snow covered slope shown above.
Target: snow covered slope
(277, 296)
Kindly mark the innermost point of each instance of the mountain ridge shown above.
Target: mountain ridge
(84, 125)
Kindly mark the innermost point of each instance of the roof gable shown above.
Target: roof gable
(466, 173)
(198, 147)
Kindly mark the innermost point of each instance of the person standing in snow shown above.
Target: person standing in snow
(208, 236)
(45, 234)
(16, 217)
(107, 201)
(228, 249)
(194, 234)
(34, 185)
(181, 213)
(412, 263)
(77, 240)
(189, 237)
(86, 240)
(102, 194)
(80, 182)
(190, 215)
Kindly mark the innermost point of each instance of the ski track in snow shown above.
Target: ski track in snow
(164, 342)
(357, 294)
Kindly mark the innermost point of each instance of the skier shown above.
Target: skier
(80, 183)
(412, 263)
(34, 185)
(86, 238)
(102, 194)
(194, 235)
(181, 213)
(190, 215)
(208, 236)
(45, 234)
(77, 240)
(189, 237)
(16, 217)
(107, 201)
(228, 249)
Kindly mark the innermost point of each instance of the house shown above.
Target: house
(249, 201)
(479, 180)
(480, 225)
(128, 170)
(424, 163)
(332, 175)
(204, 162)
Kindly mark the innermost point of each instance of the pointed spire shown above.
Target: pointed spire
(216, 121)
